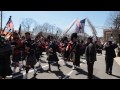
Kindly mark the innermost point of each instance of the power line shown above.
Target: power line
(100, 26)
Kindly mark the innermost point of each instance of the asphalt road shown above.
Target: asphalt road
(66, 72)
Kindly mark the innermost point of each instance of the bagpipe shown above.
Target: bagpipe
(40, 39)
(17, 46)
(70, 49)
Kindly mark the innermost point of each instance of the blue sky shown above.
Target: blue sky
(61, 19)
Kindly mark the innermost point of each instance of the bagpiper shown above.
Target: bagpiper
(38, 51)
(17, 45)
(5, 52)
(74, 51)
(52, 55)
(63, 49)
(30, 54)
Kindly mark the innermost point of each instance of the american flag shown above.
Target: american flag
(80, 26)
(9, 24)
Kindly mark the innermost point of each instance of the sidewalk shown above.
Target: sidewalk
(117, 59)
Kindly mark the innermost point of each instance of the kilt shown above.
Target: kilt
(65, 55)
(72, 56)
(75, 58)
(16, 58)
(5, 69)
(52, 57)
(31, 60)
(99, 51)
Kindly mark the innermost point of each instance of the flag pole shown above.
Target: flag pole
(1, 23)
(6, 24)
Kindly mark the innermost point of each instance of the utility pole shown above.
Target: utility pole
(1, 23)
(119, 38)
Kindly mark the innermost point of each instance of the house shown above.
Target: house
(111, 34)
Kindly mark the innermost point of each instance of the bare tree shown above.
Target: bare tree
(58, 31)
(38, 28)
(113, 21)
(26, 23)
(116, 21)
(46, 27)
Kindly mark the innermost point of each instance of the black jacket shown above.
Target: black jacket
(110, 52)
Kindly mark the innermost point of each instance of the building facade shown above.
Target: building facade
(111, 33)
(107, 34)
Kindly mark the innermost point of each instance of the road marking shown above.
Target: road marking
(30, 71)
(72, 71)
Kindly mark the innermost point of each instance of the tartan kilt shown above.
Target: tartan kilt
(72, 57)
(99, 51)
(5, 69)
(66, 55)
(16, 58)
(31, 60)
(75, 58)
(52, 57)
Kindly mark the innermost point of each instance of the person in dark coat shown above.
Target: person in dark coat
(74, 51)
(30, 53)
(16, 44)
(109, 56)
(90, 54)
(38, 52)
(65, 53)
(5, 52)
(52, 55)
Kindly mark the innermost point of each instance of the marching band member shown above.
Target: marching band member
(74, 51)
(65, 53)
(17, 45)
(23, 51)
(30, 53)
(38, 51)
(5, 52)
(52, 55)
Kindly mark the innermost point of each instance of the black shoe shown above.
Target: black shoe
(40, 66)
(35, 74)
(59, 69)
(107, 72)
(110, 73)
(23, 66)
(20, 70)
(49, 70)
(89, 77)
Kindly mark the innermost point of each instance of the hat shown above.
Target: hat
(65, 38)
(74, 35)
(90, 38)
(27, 33)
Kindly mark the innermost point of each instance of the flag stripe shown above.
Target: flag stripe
(80, 26)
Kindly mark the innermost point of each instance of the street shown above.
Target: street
(66, 72)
